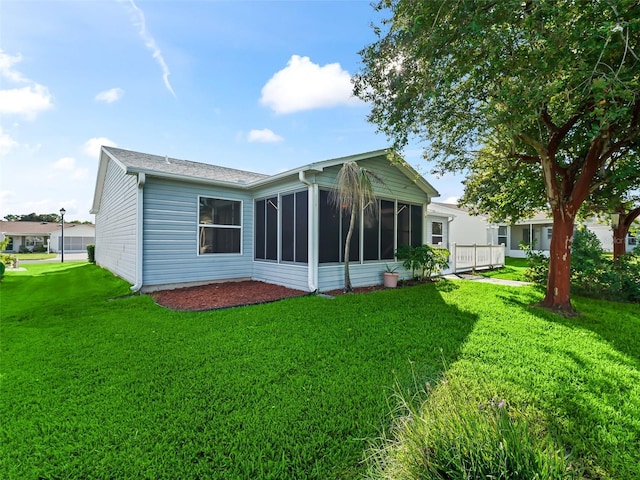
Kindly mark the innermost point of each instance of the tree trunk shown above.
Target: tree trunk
(558, 296)
(347, 252)
(619, 237)
(620, 233)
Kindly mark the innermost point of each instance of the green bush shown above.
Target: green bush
(39, 249)
(91, 253)
(7, 259)
(538, 268)
(423, 261)
(456, 434)
(595, 275)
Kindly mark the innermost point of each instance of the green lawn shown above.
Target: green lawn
(97, 384)
(513, 270)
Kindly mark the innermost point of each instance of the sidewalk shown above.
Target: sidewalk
(68, 257)
(481, 279)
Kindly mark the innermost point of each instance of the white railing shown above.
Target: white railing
(465, 258)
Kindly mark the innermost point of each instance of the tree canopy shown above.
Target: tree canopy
(537, 100)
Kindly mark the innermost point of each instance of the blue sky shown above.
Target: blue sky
(257, 85)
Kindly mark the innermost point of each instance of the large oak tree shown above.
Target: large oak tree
(550, 87)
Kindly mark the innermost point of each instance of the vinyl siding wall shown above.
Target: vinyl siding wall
(171, 236)
(116, 223)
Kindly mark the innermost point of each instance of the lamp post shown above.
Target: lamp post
(62, 212)
(615, 220)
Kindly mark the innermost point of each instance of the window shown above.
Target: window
(379, 238)
(436, 233)
(330, 226)
(632, 240)
(502, 235)
(549, 233)
(378, 233)
(266, 225)
(33, 242)
(409, 220)
(293, 224)
(294, 227)
(220, 227)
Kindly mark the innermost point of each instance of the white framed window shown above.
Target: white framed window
(502, 235)
(632, 240)
(219, 226)
(436, 233)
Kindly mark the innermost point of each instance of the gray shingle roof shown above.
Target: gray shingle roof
(144, 162)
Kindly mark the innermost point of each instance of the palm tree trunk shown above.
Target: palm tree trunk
(347, 252)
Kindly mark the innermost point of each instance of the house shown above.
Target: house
(461, 227)
(47, 236)
(163, 222)
(466, 229)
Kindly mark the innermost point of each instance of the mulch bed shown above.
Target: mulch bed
(223, 295)
(234, 294)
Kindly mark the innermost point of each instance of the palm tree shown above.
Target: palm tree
(354, 193)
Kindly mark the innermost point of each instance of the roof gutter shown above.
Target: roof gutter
(139, 233)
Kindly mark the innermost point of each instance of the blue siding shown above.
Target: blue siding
(288, 274)
(171, 235)
(116, 224)
(397, 185)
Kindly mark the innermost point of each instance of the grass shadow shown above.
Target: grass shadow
(583, 374)
(284, 390)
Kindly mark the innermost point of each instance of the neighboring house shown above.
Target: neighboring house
(605, 235)
(48, 236)
(466, 229)
(163, 222)
(461, 227)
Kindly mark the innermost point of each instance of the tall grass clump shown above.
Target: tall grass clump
(453, 432)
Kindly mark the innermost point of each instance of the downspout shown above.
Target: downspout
(312, 265)
(139, 232)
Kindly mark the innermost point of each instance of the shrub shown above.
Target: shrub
(594, 275)
(538, 269)
(455, 434)
(7, 259)
(424, 259)
(91, 253)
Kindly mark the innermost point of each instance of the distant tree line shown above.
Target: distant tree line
(40, 217)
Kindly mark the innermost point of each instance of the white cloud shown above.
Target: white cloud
(92, 146)
(264, 136)
(304, 85)
(110, 96)
(6, 143)
(65, 164)
(149, 42)
(451, 200)
(28, 100)
(67, 167)
(6, 68)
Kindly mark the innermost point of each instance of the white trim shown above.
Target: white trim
(212, 225)
(139, 233)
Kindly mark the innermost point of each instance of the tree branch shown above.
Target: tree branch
(631, 216)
